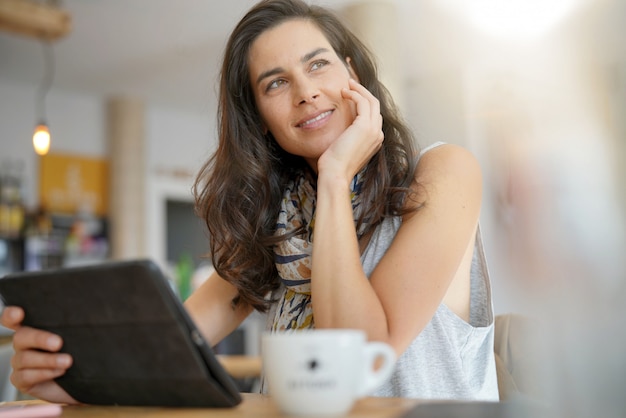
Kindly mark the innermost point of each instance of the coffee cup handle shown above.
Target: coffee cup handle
(375, 377)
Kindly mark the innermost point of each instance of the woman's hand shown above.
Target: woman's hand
(36, 361)
(356, 146)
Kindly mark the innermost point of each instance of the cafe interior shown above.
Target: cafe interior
(536, 89)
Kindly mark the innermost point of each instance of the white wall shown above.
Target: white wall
(437, 110)
(178, 138)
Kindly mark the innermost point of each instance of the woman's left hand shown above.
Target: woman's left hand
(360, 141)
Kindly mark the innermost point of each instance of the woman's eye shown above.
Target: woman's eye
(318, 64)
(275, 84)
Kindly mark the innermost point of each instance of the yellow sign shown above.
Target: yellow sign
(69, 183)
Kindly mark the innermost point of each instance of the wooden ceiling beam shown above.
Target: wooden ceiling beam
(33, 19)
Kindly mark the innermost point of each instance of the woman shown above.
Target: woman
(321, 214)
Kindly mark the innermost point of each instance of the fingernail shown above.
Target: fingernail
(54, 342)
(14, 313)
(63, 360)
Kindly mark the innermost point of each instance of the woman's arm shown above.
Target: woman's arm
(426, 256)
(211, 309)
(434, 245)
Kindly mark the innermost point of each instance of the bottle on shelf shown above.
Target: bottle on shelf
(12, 211)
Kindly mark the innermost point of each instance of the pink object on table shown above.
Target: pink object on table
(30, 411)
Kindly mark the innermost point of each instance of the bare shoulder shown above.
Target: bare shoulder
(447, 160)
(448, 172)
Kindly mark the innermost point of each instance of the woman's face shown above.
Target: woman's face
(297, 78)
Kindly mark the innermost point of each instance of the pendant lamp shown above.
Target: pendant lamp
(41, 136)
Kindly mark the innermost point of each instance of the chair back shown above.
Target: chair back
(519, 356)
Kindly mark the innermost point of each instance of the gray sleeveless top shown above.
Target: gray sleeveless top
(450, 358)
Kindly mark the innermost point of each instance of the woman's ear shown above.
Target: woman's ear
(351, 70)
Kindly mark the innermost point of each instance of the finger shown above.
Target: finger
(12, 317)
(26, 338)
(374, 102)
(363, 105)
(33, 359)
(50, 391)
(370, 107)
(369, 119)
(355, 85)
(368, 111)
(24, 380)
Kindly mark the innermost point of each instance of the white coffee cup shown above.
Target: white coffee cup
(323, 372)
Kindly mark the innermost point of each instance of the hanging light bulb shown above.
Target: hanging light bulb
(41, 138)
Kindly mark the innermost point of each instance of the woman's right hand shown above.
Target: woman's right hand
(36, 361)
(352, 150)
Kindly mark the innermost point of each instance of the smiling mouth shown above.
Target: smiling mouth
(315, 119)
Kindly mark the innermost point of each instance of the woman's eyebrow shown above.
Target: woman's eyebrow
(269, 73)
(311, 54)
(278, 70)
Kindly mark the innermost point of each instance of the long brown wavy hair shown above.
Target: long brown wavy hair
(239, 189)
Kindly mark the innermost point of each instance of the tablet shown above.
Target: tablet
(132, 341)
(479, 409)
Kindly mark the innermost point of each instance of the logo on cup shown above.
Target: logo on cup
(312, 381)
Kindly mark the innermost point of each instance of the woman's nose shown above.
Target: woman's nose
(306, 91)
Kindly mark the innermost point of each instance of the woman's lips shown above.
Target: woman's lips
(315, 121)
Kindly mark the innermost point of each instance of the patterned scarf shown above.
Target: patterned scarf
(293, 256)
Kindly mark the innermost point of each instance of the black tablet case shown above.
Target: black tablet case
(132, 341)
(479, 409)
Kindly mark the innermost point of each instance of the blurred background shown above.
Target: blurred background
(535, 88)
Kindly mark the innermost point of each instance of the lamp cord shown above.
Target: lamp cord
(46, 81)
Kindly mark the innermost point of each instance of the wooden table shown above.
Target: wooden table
(242, 366)
(253, 406)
